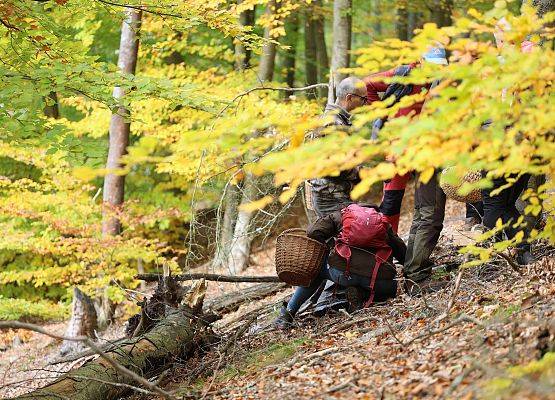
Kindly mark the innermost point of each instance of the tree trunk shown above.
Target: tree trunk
(414, 22)
(242, 54)
(52, 110)
(82, 322)
(241, 243)
(544, 6)
(174, 336)
(401, 20)
(441, 12)
(290, 55)
(321, 48)
(268, 59)
(310, 52)
(376, 13)
(231, 204)
(119, 125)
(342, 32)
(114, 184)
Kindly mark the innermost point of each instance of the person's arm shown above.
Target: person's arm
(375, 84)
(325, 228)
(397, 245)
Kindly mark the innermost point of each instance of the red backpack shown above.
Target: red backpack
(364, 228)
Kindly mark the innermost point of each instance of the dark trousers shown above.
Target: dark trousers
(427, 223)
(503, 205)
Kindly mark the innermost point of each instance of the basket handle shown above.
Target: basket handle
(294, 230)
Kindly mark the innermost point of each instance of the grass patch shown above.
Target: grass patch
(504, 312)
(32, 311)
(274, 353)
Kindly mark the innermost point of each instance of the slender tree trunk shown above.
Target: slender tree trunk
(342, 32)
(241, 243)
(52, 110)
(290, 55)
(114, 184)
(242, 53)
(268, 59)
(231, 205)
(401, 20)
(310, 52)
(321, 48)
(376, 13)
(441, 12)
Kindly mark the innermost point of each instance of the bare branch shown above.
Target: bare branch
(209, 277)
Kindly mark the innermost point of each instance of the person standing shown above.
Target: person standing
(378, 90)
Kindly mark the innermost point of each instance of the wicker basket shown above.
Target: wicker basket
(298, 257)
(452, 191)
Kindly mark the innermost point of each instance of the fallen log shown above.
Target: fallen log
(232, 301)
(101, 380)
(209, 277)
(125, 366)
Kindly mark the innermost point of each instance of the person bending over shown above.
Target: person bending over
(332, 193)
(370, 268)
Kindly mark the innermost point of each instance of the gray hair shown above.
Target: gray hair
(349, 85)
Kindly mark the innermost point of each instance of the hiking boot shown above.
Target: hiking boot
(524, 257)
(285, 319)
(415, 289)
(355, 298)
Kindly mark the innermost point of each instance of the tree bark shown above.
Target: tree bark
(376, 13)
(114, 184)
(242, 53)
(209, 277)
(240, 249)
(52, 110)
(173, 336)
(82, 322)
(290, 55)
(267, 62)
(441, 12)
(342, 32)
(310, 52)
(231, 204)
(321, 48)
(401, 20)
(232, 301)
(414, 22)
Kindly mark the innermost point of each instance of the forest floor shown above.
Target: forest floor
(459, 343)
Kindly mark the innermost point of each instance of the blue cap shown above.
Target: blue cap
(435, 55)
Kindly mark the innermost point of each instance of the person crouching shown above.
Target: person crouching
(362, 245)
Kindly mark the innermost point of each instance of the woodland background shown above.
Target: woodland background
(138, 137)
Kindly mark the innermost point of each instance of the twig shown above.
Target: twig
(392, 331)
(140, 8)
(84, 339)
(510, 261)
(348, 324)
(452, 298)
(209, 277)
(259, 88)
(462, 318)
